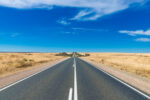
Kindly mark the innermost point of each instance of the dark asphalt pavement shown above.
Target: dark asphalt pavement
(55, 82)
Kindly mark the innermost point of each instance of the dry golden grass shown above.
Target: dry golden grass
(131, 62)
(12, 62)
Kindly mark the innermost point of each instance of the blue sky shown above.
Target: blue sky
(75, 25)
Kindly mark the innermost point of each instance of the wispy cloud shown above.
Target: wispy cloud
(89, 29)
(143, 39)
(97, 8)
(137, 32)
(69, 32)
(63, 22)
(86, 15)
(77, 30)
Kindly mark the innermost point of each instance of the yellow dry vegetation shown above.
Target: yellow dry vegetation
(137, 63)
(12, 62)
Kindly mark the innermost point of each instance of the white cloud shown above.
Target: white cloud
(63, 22)
(137, 32)
(99, 7)
(143, 39)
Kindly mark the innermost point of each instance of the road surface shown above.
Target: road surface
(72, 79)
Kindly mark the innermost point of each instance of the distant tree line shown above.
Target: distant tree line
(64, 54)
(71, 54)
(82, 55)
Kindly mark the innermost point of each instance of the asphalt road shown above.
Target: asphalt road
(72, 79)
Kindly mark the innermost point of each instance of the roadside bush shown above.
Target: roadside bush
(87, 54)
(31, 60)
(24, 63)
(25, 59)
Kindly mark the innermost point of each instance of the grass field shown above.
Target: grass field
(136, 63)
(12, 62)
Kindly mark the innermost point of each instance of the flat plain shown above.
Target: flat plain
(14, 62)
(136, 63)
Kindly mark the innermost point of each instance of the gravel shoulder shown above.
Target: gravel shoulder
(139, 82)
(11, 78)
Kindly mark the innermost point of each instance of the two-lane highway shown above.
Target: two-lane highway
(72, 79)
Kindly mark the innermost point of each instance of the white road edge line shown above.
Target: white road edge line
(131, 87)
(75, 82)
(70, 94)
(1, 89)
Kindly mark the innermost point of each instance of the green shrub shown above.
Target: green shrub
(87, 54)
(25, 59)
(31, 60)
